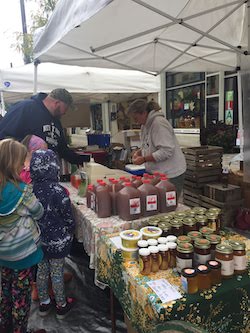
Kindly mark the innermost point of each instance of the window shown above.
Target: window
(96, 113)
(212, 110)
(213, 85)
(178, 79)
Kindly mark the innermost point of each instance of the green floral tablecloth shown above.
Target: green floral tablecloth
(221, 309)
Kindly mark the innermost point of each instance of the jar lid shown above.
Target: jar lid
(144, 252)
(224, 248)
(188, 272)
(214, 210)
(126, 249)
(142, 243)
(238, 246)
(171, 238)
(194, 234)
(185, 248)
(163, 247)
(176, 223)
(206, 231)
(190, 213)
(152, 242)
(183, 239)
(171, 245)
(202, 243)
(211, 216)
(180, 214)
(203, 269)
(167, 227)
(154, 223)
(201, 218)
(199, 210)
(162, 240)
(189, 221)
(213, 264)
(153, 249)
(130, 234)
(213, 238)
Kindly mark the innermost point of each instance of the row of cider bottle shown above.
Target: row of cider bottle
(132, 198)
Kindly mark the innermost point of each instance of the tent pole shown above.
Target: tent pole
(240, 110)
(36, 63)
(2, 104)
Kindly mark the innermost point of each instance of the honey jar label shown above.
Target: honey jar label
(183, 263)
(227, 267)
(201, 258)
(240, 263)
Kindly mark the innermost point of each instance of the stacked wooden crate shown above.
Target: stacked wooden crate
(204, 165)
(227, 198)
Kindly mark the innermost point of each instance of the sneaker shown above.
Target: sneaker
(62, 311)
(45, 309)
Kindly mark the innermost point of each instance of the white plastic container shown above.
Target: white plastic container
(151, 232)
(129, 254)
(130, 238)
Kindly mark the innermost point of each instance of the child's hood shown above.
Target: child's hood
(44, 166)
(11, 197)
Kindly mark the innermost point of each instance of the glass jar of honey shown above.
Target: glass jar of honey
(166, 230)
(171, 238)
(180, 215)
(213, 223)
(189, 280)
(189, 224)
(204, 277)
(214, 240)
(144, 261)
(215, 267)
(202, 221)
(201, 251)
(217, 211)
(206, 231)
(240, 259)
(155, 260)
(142, 243)
(163, 254)
(194, 235)
(162, 240)
(176, 227)
(172, 254)
(224, 254)
(184, 256)
(199, 210)
(183, 239)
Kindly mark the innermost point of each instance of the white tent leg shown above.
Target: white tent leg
(35, 77)
(2, 105)
(240, 111)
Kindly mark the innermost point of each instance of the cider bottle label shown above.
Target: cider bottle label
(134, 206)
(171, 198)
(151, 202)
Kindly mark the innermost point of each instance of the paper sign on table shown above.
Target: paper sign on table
(117, 241)
(164, 290)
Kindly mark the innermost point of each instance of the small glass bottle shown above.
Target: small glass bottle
(201, 221)
(189, 224)
(214, 240)
(166, 230)
(215, 267)
(189, 280)
(184, 256)
(177, 227)
(206, 231)
(172, 254)
(224, 254)
(144, 261)
(142, 243)
(240, 259)
(204, 277)
(152, 242)
(162, 240)
(171, 238)
(201, 251)
(213, 221)
(154, 253)
(164, 257)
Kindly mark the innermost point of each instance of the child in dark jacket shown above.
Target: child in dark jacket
(57, 228)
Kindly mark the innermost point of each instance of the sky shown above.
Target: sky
(11, 22)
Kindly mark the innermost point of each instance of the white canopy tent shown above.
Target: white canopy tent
(153, 36)
(95, 84)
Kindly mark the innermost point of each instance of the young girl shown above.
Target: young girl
(57, 228)
(20, 250)
(32, 143)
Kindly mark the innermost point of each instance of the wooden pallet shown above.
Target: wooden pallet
(202, 150)
(190, 198)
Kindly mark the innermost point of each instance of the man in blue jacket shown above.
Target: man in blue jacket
(40, 115)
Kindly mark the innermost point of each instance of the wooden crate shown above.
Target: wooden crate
(203, 151)
(190, 198)
(217, 192)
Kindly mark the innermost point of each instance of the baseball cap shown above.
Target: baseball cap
(62, 95)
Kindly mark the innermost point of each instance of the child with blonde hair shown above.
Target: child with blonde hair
(20, 247)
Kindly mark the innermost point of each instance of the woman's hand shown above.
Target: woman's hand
(138, 160)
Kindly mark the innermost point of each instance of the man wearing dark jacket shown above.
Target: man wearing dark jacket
(40, 115)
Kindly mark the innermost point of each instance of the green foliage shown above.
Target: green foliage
(24, 42)
(221, 135)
